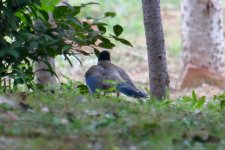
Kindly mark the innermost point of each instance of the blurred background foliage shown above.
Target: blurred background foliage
(31, 31)
(129, 15)
(134, 60)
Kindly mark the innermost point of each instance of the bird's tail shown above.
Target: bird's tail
(130, 90)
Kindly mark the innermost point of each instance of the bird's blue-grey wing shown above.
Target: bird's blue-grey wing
(111, 73)
(125, 76)
(94, 78)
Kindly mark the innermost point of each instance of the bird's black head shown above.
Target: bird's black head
(104, 56)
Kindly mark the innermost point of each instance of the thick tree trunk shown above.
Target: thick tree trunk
(45, 77)
(203, 42)
(158, 74)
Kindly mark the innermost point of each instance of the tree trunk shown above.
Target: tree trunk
(45, 77)
(158, 74)
(203, 42)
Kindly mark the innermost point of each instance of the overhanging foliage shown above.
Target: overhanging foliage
(32, 30)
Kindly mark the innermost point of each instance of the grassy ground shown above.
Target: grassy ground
(66, 120)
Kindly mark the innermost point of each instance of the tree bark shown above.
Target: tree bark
(203, 42)
(45, 77)
(158, 73)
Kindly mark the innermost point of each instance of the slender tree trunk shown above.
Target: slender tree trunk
(203, 42)
(45, 77)
(158, 74)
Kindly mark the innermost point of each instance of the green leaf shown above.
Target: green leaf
(186, 99)
(200, 102)
(17, 44)
(99, 23)
(66, 48)
(123, 41)
(68, 59)
(97, 52)
(90, 3)
(194, 96)
(20, 16)
(76, 10)
(3, 51)
(44, 14)
(34, 12)
(86, 25)
(34, 45)
(14, 53)
(82, 89)
(117, 29)
(110, 14)
(101, 28)
(28, 19)
(48, 5)
(64, 11)
(103, 39)
(38, 2)
(27, 35)
(107, 45)
(75, 20)
(11, 19)
(59, 12)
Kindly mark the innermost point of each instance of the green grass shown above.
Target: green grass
(66, 120)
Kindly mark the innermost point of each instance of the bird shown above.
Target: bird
(96, 77)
